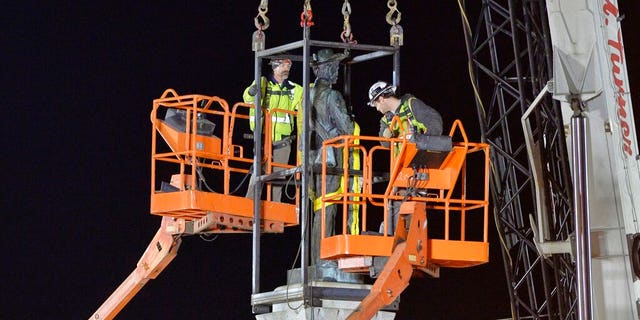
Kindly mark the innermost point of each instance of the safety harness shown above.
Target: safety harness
(284, 96)
(407, 119)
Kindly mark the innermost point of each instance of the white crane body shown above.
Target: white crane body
(590, 70)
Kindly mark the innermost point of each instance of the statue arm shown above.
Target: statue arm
(342, 122)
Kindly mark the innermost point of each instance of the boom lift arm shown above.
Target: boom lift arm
(410, 252)
(160, 252)
(182, 138)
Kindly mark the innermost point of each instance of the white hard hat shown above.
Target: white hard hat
(379, 88)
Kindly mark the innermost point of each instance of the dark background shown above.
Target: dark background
(78, 83)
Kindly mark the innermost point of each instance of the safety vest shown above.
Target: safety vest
(409, 123)
(287, 96)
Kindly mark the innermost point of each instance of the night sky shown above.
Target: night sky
(78, 85)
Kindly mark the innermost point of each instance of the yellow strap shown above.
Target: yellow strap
(354, 228)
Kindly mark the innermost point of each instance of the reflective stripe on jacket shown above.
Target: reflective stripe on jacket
(287, 96)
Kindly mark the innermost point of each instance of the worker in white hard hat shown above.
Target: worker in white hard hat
(416, 119)
(415, 116)
(278, 92)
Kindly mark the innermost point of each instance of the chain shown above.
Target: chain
(346, 34)
(261, 21)
(393, 8)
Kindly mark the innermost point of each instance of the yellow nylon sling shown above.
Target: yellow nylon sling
(354, 227)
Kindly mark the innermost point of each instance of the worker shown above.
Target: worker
(416, 119)
(329, 119)
(278, 92)
(416, 116)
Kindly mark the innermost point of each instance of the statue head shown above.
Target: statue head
(326, 63)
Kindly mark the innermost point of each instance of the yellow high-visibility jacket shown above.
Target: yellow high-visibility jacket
(286, 96)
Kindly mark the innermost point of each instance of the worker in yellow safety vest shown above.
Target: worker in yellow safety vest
(277, 92)
(416, 117)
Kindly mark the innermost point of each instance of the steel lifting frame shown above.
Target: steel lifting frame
(286, 50)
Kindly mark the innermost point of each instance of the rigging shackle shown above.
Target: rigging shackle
(306, 16)
(346, 35)
(261, 21)
(257, 40)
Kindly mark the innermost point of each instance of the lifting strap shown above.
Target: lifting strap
(356, 187)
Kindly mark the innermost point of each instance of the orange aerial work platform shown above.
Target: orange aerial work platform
(441, 213)
(191, 171)
(437, 177)
(190, 154)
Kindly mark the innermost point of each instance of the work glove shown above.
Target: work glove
(387, 133)
(253, 90)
